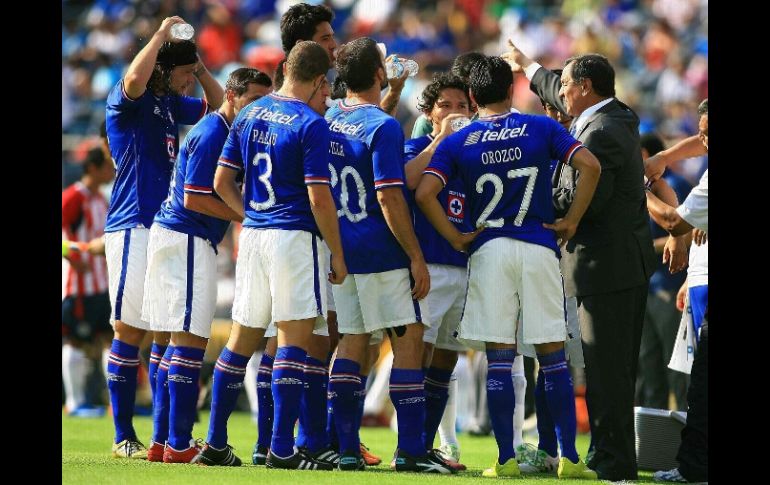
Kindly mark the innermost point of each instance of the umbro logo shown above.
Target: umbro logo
(179, 378)
(115, 377)
(235, 385)
(412, 400)
(288, 380)
(473, 138)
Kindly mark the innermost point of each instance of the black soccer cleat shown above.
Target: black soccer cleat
(212, 457)
(298, 461)
(351, 462)
(426, 463)
(259, 455)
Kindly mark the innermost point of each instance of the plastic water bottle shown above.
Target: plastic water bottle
(395, 68)
(182, 31)
(460, 123)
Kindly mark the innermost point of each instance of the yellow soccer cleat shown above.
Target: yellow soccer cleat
(509, 469)
(567, 469)
(133, 449)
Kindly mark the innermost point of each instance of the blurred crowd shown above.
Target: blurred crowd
(659, 49)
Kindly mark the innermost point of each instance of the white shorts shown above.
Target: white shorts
(573, 347)
(126, 253)
(371, 302)
(272, 331)
(329, 296)
(445, 302)
(180, 287)
(511, 280)
(278, 277)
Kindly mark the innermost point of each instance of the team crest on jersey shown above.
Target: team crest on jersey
(473, 138)
(455, 207)
(171, 147)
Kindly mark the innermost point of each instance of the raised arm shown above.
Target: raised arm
(140, 69)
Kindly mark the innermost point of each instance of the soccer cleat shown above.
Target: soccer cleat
(155, 452)
(426, 463)
(170, 455)
(450, 452)
(300, 460)
(133, 449)
(454, 465)
(508, 469)
(86, 411)
(351, 462)
(259, 455)
(212, 457)
(672, 475)
(325, 455)
(369, 458)
(567, 469)
(533, 460)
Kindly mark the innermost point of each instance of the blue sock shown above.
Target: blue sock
(288, 384)
(160, 399)
(501, 400)
(229, 372)
(560, 396)
(183, 387)
(408, 397)
(122, 369)
(361, 396)
(156, 354)
(312, 413)
(265, 401)
(436, 397)
(344, 381)
(546, 430)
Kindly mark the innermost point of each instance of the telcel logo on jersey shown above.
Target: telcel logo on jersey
(504, 134)
(265, 114)
(346, 128)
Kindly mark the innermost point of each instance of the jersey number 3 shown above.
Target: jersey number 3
(265, 179)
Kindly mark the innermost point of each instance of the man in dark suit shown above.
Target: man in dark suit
(608, 263)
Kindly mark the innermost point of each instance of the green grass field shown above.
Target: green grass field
(86, 459)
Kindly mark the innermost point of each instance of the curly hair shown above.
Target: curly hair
(300, 22)
(432, 91)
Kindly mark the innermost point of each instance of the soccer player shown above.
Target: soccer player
(443, 100)
(85, 303)
(389, 274)
(502, 161)
(313, 22)
(144, 111)
(281, 142)
(180, 289)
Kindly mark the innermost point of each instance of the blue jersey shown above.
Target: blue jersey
(194, 174)
(503, 162)
(282, 146)
(144, 140)
(367, 148)
(435, 248)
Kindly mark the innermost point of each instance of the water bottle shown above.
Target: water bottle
(395, 68)
(182, 31)
(460, 123)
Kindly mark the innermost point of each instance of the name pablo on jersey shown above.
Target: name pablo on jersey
(263, 137)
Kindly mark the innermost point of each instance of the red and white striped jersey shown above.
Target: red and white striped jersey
(83, 215)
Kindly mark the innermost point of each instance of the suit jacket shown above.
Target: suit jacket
(612, 249)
